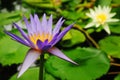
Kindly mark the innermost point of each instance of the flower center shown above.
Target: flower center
(101, 18)
(42, 37)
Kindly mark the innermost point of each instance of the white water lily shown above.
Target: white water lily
(101, 16)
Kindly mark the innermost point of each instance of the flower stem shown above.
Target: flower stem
(41, 67)
(111, 73)
(115, 64)
(87, 35)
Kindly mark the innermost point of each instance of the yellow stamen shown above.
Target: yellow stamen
(42, 37)
(101, 18)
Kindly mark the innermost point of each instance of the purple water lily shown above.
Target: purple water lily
(41, 37)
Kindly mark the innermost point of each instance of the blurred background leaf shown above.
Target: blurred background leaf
(8, 18)
(103, 2)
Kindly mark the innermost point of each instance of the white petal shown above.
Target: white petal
(30, 58)
(92, 12)
(112, 14)
(89, 25)
(106, 28)
(97, 25)
(113, 20)
(89, 15)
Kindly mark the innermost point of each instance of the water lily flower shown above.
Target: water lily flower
(41, 37)
(101, 16)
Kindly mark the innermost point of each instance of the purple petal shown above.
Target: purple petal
(55, 51)
(50, 25)
(58, 26)
(20, 40)
(27, 25)
(24, 34)
(54, 39)
(43, 45)
(30, 58)
(33, 24)
(38, 24)
(46, 47)
(44, 23)
(46, 41)
(63, 33)
(40, 44)
(21, 31)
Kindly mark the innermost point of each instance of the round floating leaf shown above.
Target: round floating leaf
(117, 77)
(93, 64)
(49, 77)
(111, 45)
(73, 37)
(115, 29)
(11, 52)
(32, 74)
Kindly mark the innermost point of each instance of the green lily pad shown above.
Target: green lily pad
(32, 74)
(93, 64)
(115, 29)
(11, 52)
(117, 77)
(111, 45)
(73, 37)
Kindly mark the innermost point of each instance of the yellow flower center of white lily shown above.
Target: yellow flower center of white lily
(101, 18)
(42, 37)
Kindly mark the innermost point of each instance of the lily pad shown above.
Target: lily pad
(117, 77)
(89, 60)
(11, 52)
(115, 29)
(111, 45)
(73, 37)
(32, 74)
